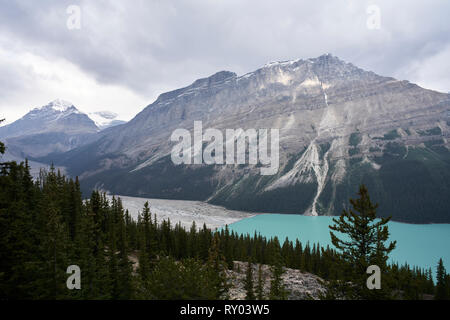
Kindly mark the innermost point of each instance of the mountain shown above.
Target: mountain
(339, 126)
(56, 127)
(105, 119)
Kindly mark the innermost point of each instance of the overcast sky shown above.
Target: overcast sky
(126, 53)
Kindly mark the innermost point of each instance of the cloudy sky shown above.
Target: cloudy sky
(126, 53)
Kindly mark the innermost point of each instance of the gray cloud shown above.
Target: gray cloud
(151, 46)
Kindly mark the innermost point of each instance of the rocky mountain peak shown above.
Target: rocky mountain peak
(337, 123)
(60, 105)
(216, 78)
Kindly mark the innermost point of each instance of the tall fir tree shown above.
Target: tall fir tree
(217, 266)
(248, 284)
(441, 283)
(260, 284)
(277, 288)
(363, 246)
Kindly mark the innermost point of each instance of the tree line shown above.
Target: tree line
(46, 226)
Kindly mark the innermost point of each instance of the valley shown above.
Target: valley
(184, 212)
(418, 244)
(339, 126)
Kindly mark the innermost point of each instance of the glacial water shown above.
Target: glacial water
(417, 244)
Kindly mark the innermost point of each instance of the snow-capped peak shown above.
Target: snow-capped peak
(60, 105)
(280, 63)
(61, 108)
(56, 108)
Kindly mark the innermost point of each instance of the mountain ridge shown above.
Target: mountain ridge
(55, 127)
(339, 126)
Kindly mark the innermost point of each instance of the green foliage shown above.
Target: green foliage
(353, 151)
(216, 269)
(248, 284)
(249, 195)
(411, 189)
(45, 226)
(442, 289)
(355, 139)
(430, 132)
(391, 135)
(364, 245)
(260, 284)
(323, 148)
(277, 289)
(180, 280)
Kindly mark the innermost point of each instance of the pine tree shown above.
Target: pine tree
(365, 245)
(146, 245)
(248, 284)
(277, 289)
(45, 227)
(441, 285)
(54, 238)
(260, 285)
(216, 271)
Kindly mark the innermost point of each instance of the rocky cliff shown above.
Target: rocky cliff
(339, 126)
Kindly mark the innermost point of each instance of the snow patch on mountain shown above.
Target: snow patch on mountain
(310, 82)
(105, 119)
(59, 105)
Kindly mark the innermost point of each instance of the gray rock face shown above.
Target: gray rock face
(299, 285)
(337, 122)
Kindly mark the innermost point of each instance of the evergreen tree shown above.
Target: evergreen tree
(260, 285)
(277, 289)
(216, 271)
(45, 227)
(54, 241)
(248, 284)
(146, 247)
(364, 245)
(441, 283)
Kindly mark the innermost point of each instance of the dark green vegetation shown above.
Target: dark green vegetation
(411, 183)
(46, 227)
(442, 283)
(365, 247)
(391, 135)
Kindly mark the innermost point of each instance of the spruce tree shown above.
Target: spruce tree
(260, 285)
(216, 271)
(441, 285)
(277, 289)
(363, 245)
(146, 247)
(248, 284)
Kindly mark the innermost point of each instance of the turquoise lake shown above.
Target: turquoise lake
(417, 244)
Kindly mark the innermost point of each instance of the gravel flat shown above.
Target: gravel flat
(185, 211)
